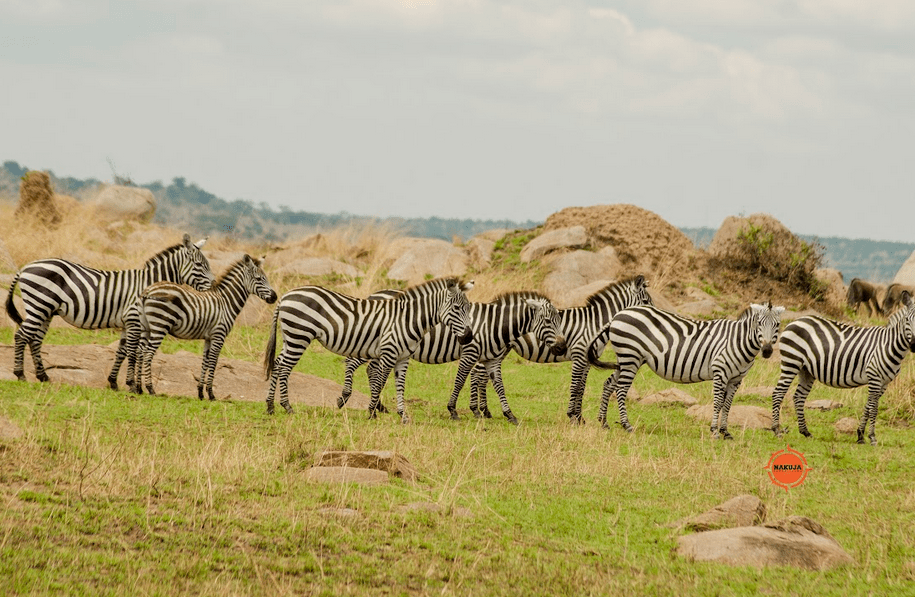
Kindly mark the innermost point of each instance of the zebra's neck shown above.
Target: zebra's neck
(162, 267)
(231, 290)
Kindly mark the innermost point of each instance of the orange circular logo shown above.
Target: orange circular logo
(787, 468)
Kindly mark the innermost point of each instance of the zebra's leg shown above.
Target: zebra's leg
(624, 376)
(349, 370)
(804, 385)
(139, 356)
(874, 392)
(35, 342)
(119, 357)
(282, 368)
(608, 390)
(495, 374)
(152, 347)
(580, 367)
(201, 381)
(19, 342)
(728, 400)
(210, 360)
(778, 395)
(133, 335)
(478, 370)
(400, 379)
(469, 358)
(371, 370)
(720, 391)
(378, 380)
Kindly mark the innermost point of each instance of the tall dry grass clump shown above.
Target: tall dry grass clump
(36, 200)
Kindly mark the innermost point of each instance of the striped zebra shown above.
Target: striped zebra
(495, 326)
(387, 330)
(686, 351)
(843, 356)
(90, 299)
(166, 308)
(579, 326)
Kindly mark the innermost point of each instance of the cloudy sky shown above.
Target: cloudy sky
(693, 109)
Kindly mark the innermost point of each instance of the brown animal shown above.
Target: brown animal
(893, 296)
(861, 291)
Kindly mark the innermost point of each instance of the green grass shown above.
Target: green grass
(112, 494)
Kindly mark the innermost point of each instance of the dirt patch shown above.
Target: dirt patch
(176, 375)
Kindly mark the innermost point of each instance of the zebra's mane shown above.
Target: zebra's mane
(164, 253)
(232, 268)
(896, 318)
(523, 294)
(594, 299)
(422, 289)
(745, 314)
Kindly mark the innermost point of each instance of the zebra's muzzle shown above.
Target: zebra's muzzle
(767, 351)
(559, 347)
(466, 337)
(271, 298)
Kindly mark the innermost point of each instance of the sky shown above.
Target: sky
(694, 109)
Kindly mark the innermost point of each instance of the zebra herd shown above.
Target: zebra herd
(176, 293)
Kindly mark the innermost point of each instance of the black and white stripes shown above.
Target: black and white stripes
(165, 308)
(90, 298)
(687, 351)
(843, 356)
(387, 330)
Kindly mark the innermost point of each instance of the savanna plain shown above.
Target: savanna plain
(110, 493)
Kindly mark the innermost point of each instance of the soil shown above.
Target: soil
(176, 375)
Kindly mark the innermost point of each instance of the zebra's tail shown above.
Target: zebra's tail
(595, 361)
(270, 353)
(10, 306)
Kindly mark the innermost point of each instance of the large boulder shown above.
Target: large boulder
(645, 243)
(116, 202)
(796, 541)
(906, 273)
(415, 260)
(571, 271)
(574, 237)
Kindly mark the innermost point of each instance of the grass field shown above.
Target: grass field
(106, 493)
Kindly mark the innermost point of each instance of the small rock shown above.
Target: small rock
(382, 460)
(740, 511)
(847, 425)
(822, 405)
(346, 474)
(669, 397)
(746, 417)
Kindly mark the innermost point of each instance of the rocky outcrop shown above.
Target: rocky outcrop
(906, 273)
(569, 272)
(116, 202)
(415, 260)
(574, 237)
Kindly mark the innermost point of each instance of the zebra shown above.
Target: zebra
(495, 326)
(579, 326)
(166, 308)
(89, 298)
(388, 330)
(843, 356)
(686, 351)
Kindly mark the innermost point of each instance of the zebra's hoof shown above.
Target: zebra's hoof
(42, 377)
(113, 383)
(476, 414)
(726, 435)
(404, 419)
(199, 392)
(150, 390)
(20, 375)
(487, 414)
(806, 433)
(382, 408)
(454, 415)
(340, 402)
(860, 436)
(511, 418)
(628, 428)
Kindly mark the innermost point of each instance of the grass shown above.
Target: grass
(111, 494)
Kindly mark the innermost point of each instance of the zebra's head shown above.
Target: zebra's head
(193, 266)
(640, 291)
(907, 317)
(256, 280)
(546, 322)
(767, 319)
(454, 310)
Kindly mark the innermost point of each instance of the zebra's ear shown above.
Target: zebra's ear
(200, 242)
(906, 298)
(186, 240)
(467, 286)
(533, 303)
(259, 262)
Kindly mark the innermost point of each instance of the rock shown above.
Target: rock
(416, 260)
(906, 273)
(741, 511)
(494, 235)
(574, 237)
(576, 296)
(383, 460)
(346, 474)
(117, 202)
(822, 405)
(319, 266)
(580, 268)
(342, 512)
(644, 242)
(669, 397)
(796, 541)
(9, 430)
(847, 425)
(480, 250)
(702, 309)
(746, 417)
(836, 290)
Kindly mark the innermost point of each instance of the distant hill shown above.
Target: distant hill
(189, 207)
